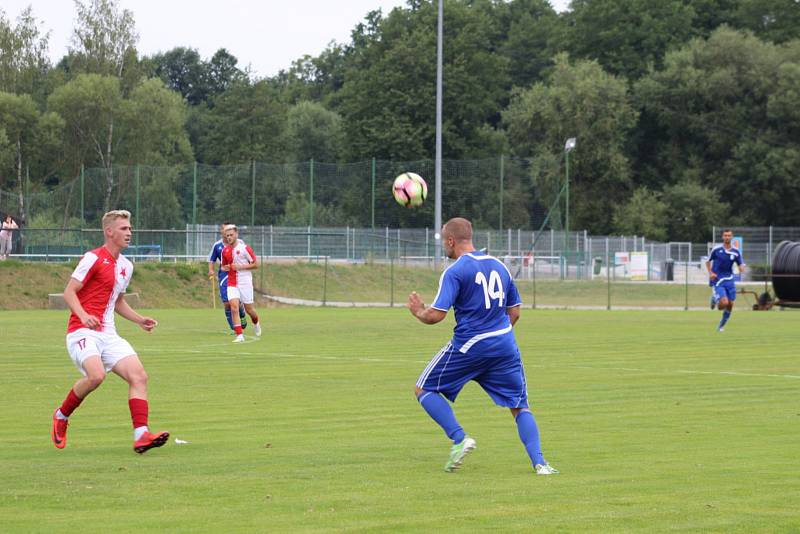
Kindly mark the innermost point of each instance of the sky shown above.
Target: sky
(265, 35)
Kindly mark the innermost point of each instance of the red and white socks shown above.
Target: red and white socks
(139, 412)
(69, 405)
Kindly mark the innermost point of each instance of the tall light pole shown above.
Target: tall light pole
(437, 223)
(569, 146)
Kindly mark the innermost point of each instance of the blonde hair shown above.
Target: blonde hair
(113, 215)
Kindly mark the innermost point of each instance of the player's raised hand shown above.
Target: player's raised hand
(91, 322)
(415, 304)
(148, 323)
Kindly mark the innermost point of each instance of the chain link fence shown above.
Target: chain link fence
(554, 268)
(496, 193)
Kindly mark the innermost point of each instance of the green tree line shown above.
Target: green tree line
(687, 112)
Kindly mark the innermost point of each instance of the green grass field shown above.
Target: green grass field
(656, 422)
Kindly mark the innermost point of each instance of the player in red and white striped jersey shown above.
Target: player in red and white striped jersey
(94, 293)
(238, 259)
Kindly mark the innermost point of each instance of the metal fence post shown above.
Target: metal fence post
(686, 276)
(261, 263)
(533, 265)
(325, 283)
(372, 203)
(136, 217)
(769, 252)
(502, 178)
(391, 283)
(253, 194)
(311, 194)
(608, 279)
(83, 213)
(194, 193)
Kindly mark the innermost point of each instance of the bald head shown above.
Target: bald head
(459, 229)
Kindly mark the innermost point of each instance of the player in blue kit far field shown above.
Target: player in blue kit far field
(222, 279)
(486, 302)
(720, 273)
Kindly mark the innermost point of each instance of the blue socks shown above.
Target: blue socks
(529, 435)
(441, 412)
(229, 317)
(725, 316)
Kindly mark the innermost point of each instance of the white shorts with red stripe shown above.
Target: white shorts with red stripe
(85, 343)
(243, 291)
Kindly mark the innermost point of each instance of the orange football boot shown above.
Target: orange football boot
(149, 441)
(59, 432)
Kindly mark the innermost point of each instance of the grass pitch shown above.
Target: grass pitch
(656, 422)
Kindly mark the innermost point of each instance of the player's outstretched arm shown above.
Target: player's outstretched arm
(513, 314)
(425, 314)
(74, 303)
(124, 309)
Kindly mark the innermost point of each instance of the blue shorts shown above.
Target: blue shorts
(503, 377)
(223, 289)
(725, 289)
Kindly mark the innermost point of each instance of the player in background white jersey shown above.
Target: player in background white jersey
(94, 293)
(221, 277)
(238, 259)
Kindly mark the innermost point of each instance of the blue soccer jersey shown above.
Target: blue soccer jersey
(216, 255)
(479, 288)
(722, 261)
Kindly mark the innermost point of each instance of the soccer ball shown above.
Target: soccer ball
(410, 190)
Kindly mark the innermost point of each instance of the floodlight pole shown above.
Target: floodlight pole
(566, 223)
(437, 224)
(569, 146)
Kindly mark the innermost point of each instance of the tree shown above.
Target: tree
(691, 210)
(107, 129)
(91, 105)
(645, 214)
(103, 38)
(23, 54)
(532, 26)
(182, 70)
(316, 79)
(313, 132)
(388, 97)
(222, 72)
(777, 20)
(580, 100)
(27, 134)
(627, 36)
(246, 123)
(154, 122)
(724, 111)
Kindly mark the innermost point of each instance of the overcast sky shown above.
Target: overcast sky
(267, 35)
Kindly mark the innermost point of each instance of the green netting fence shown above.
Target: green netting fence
(495, 193)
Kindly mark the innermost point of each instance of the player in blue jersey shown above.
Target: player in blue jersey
(221, 277)
(720, 272)
(487, 304)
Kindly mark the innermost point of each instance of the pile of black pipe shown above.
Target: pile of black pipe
(786, 271)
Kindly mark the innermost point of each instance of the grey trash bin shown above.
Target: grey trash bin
(598, 264)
